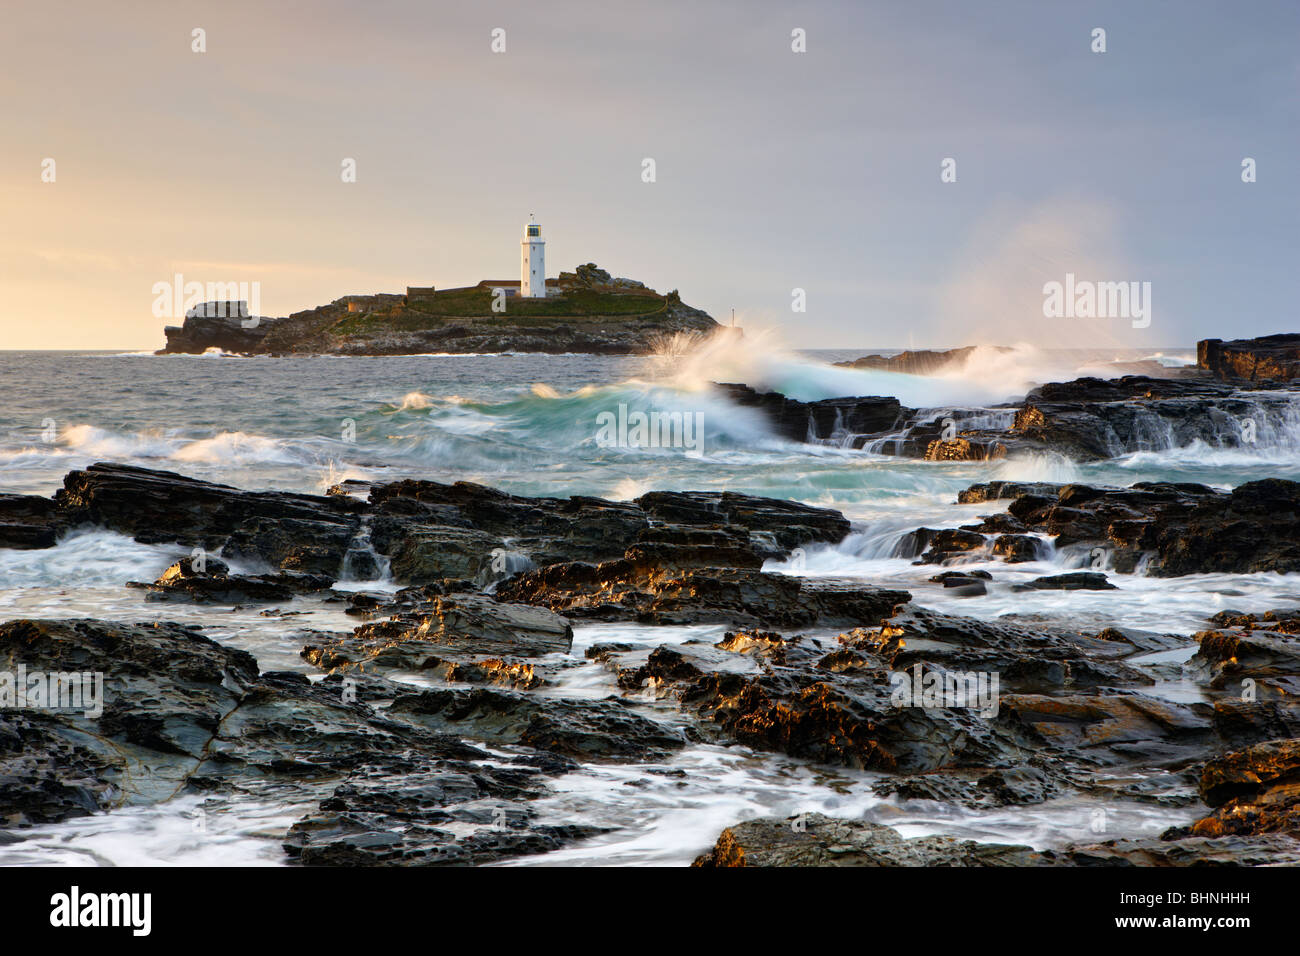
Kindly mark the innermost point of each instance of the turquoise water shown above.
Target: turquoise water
(525, 423)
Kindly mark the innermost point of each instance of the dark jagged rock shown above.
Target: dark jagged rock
(215, 585)
(583, 729)
(28, 521)
(1076, 581)
(227, 332)
(1085, 419)
(1115, 730)
(960, 577)
(1090, 418)
(428, 813)
(1267, 358)
(493, 671)
(936, 546)
(428, 531)
(1194, 851)
(836, 714)
(432, 530)
(817, 840)
(920, 362)
(295, 532)
(964, 449)
(1255, 820)
(1016, 548)
(619, 590)
(1026, 658)
(824, 420)
(1253, 791)
(837, 702)
(460, 624)
(181, 713)
(1068, 712)
(1254, 528)
(775, 526)
(1183, 528)
(1141, 641)
(1252, 669)
(1003, 490)
(165, 688)
(1268, 657)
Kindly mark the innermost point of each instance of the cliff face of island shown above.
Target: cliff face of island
(1269, 358)
(586, 310)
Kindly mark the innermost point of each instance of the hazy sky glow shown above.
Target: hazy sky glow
(775, 170)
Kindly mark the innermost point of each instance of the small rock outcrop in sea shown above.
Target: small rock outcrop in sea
(922, 362)
(1086, 419)
(429, 531)
(804, 421)
(587, 311)
(213, 584)
(1273, 358)
(1174, 528)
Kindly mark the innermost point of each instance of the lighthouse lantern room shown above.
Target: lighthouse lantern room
(532, 262)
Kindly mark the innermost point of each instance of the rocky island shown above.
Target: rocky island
(586, 310)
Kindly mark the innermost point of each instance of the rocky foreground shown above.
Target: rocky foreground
(395, 773)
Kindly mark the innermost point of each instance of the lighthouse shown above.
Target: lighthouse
(532, 262)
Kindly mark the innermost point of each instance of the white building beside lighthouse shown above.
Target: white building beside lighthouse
(532, 262)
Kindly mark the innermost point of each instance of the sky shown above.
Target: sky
(774, 170)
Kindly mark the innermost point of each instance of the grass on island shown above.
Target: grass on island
(456, 306)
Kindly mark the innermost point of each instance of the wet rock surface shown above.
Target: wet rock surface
(581, 729)
(818, 840)
(434, 736)
(434, 530)
(28, 521)
(165, 691)
(1266, 358)
(293, 532)
(621, 591)
(827, 420)
(1174, 528)
(423, 634)
(428, 531)
(213, 584)
(182, 714)
(1086, 419)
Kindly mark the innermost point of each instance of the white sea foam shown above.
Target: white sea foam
(86, 558)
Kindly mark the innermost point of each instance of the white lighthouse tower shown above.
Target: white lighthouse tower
(532, 262)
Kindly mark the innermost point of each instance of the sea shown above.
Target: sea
(529, 424)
